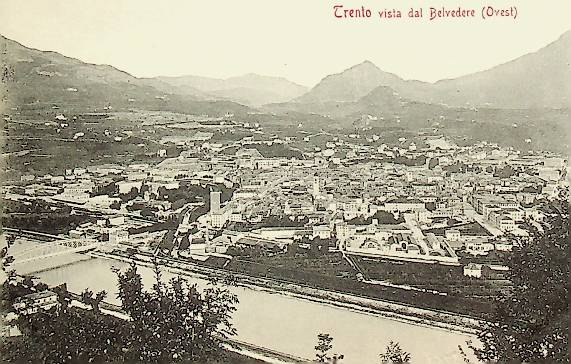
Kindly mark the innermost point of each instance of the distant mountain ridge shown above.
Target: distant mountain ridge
(535, 80)
(541, 79)
(44, 77)
(250, 89)
(48, 78)
(349, 85)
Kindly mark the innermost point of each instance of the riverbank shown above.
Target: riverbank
(391, 310)
(331, 272)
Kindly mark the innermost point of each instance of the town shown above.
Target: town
(419, 212)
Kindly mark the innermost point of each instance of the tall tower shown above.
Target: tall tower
(215, 202)
(315, 186)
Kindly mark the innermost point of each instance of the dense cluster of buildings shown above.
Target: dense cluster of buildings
(406, 201)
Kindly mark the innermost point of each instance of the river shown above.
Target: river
(288, 324)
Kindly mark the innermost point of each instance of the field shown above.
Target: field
(331, 272)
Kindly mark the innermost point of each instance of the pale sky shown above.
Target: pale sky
(296, 39)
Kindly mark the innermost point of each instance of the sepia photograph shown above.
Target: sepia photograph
(254, 181)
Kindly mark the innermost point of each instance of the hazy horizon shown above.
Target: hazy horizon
(147, 39)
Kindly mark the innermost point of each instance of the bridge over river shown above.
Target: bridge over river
(34, 251)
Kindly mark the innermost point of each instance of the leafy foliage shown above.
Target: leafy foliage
(323, 346)
(175, 321)
(531, 323)
(394, 354)
(70, 335)
(171, 322)
(322, 350)
(88, 298)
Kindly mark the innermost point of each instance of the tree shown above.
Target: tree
(28, 282)
(88, 298)
(64, 298)
(68, 336)
(452, 222)
(10, 239)
(99, 297)
(322, 350)
(174, 321)
(292, 249)
(323, 346)
(132, 194)
(115, 205)
(505, 172)
(318, 247)
(7, 261)
(394, 354)
(530, 324)
(144, 188)
(433, 163)
(41, 286)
